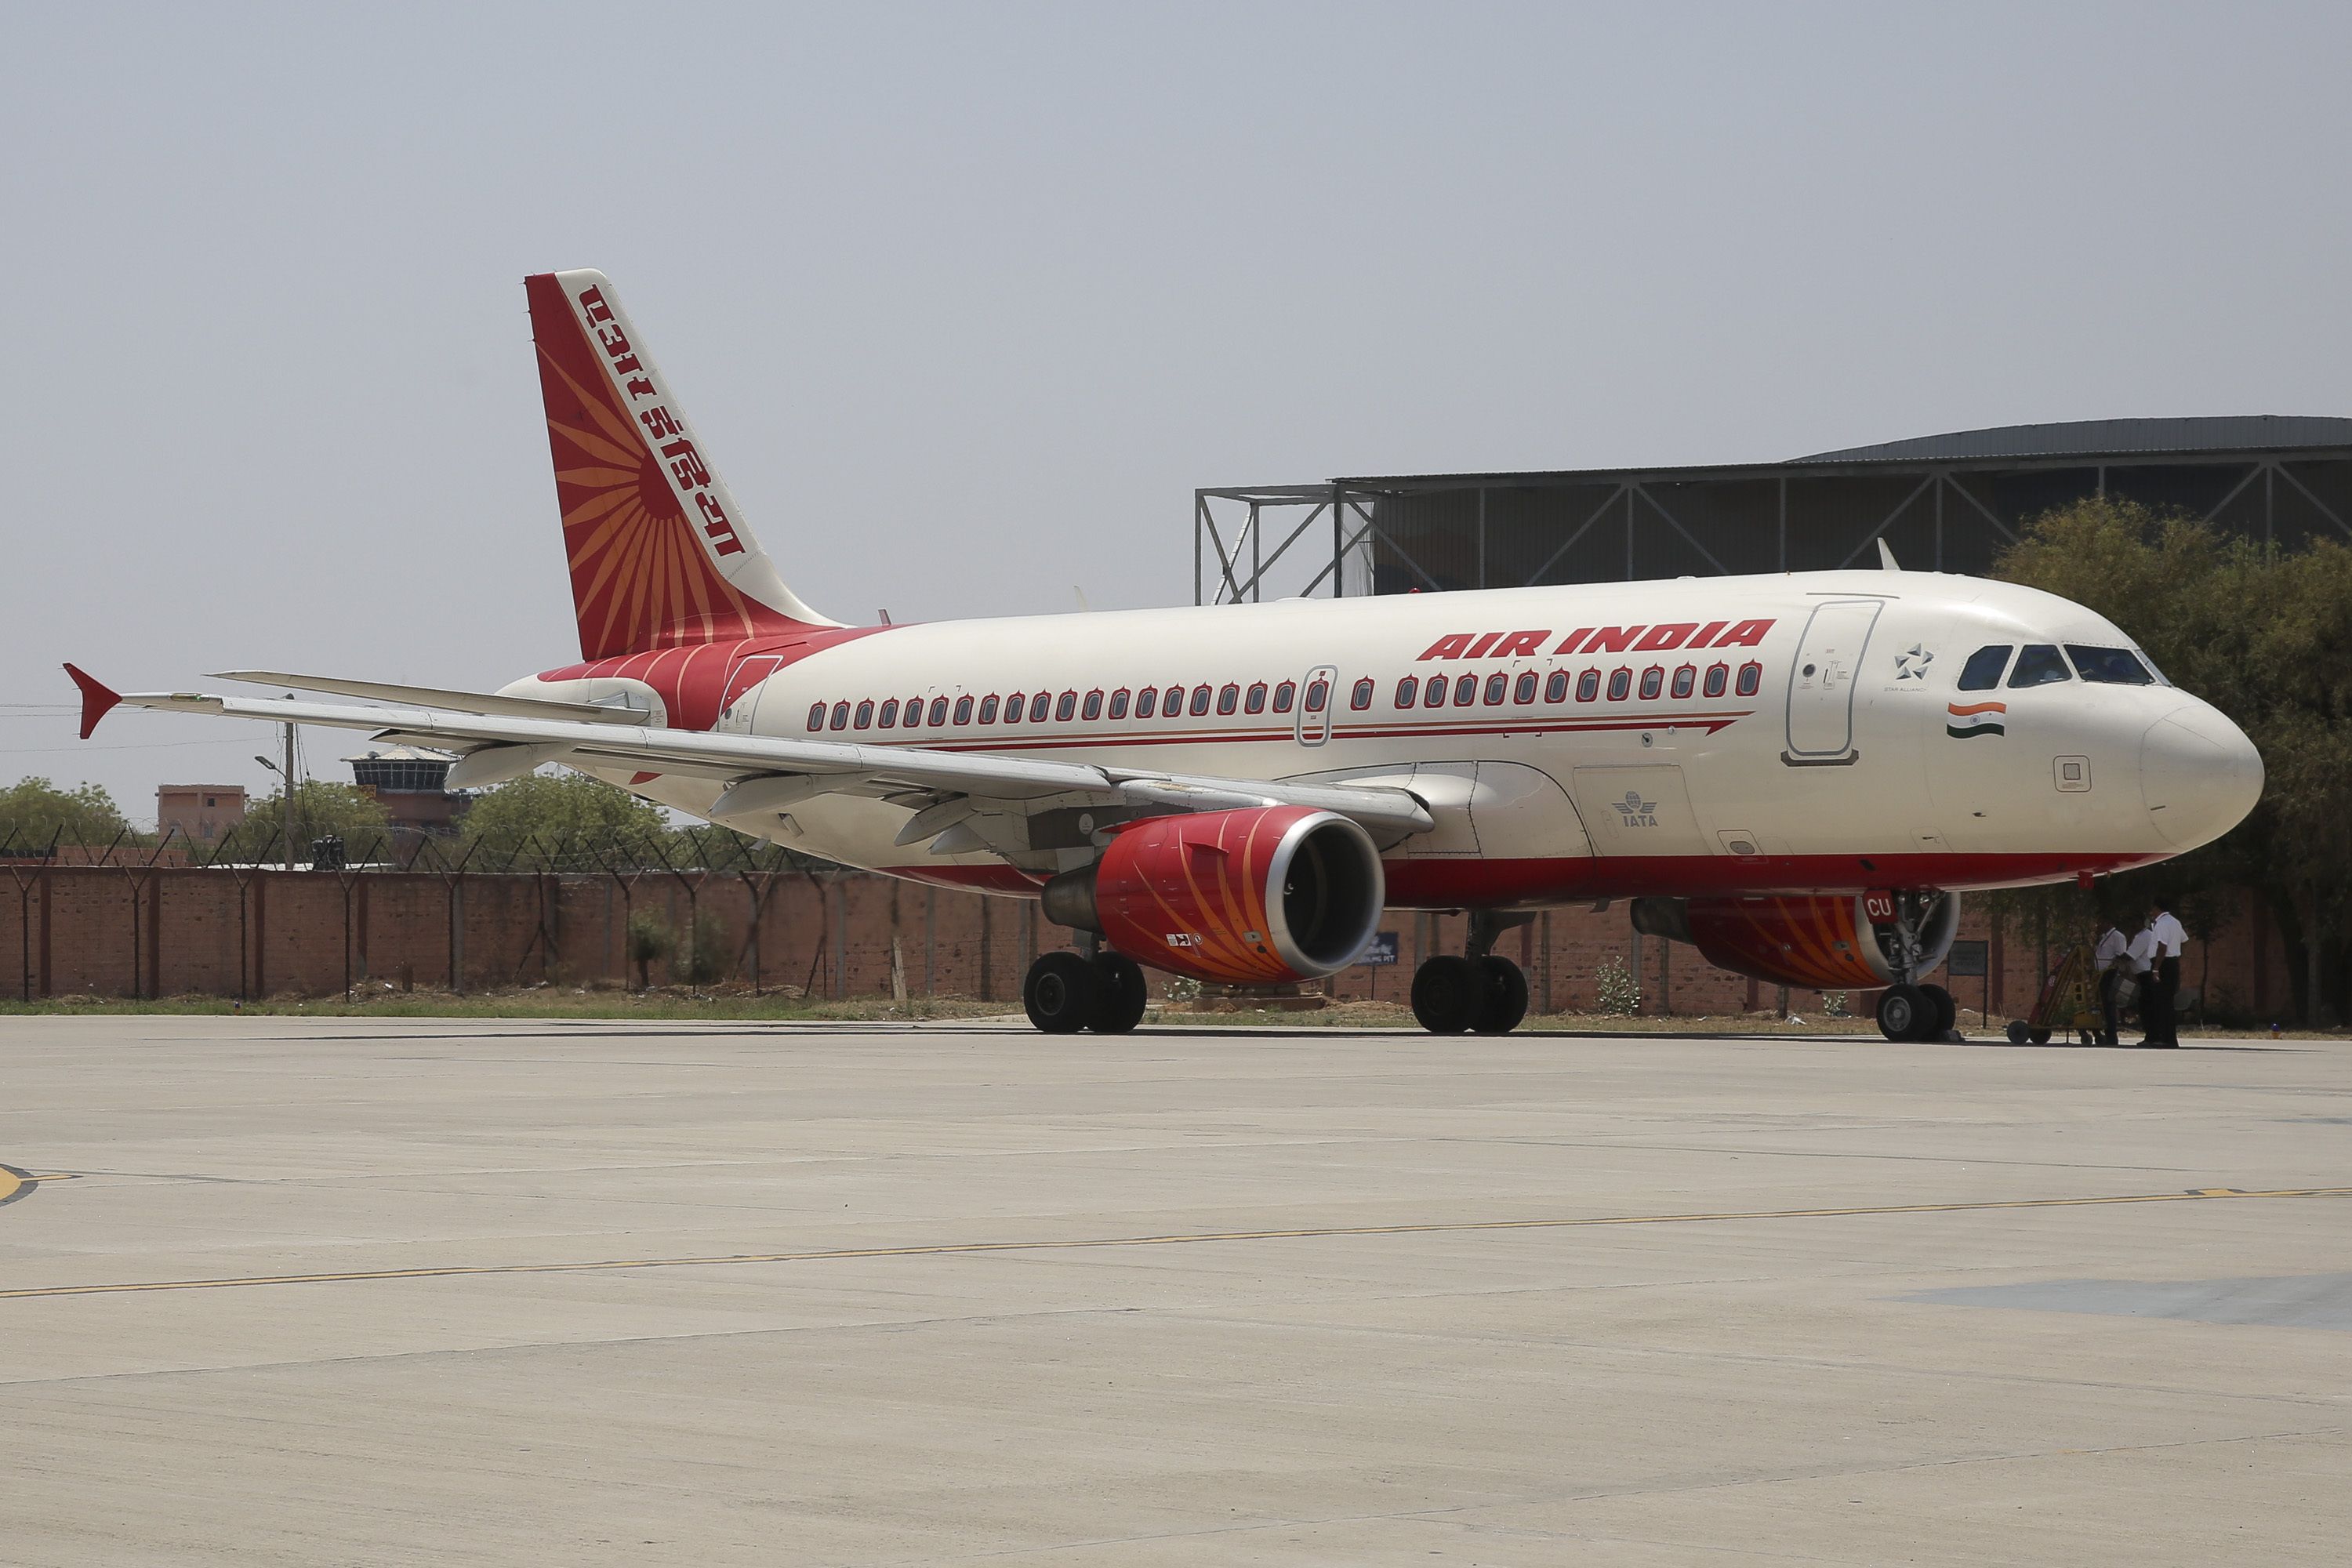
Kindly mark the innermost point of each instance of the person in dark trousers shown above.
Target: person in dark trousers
(2114, 958)
(2163, 983)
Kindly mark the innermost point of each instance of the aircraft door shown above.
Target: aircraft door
(743, 694)
(1821, 682)
(1315, 695)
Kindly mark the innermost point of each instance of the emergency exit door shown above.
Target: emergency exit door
(1821, 682)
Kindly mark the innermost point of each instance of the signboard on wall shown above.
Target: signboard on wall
(1967, 957)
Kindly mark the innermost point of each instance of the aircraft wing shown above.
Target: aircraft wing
(765, 773)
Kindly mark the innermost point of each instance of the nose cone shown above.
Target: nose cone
(2198, 775)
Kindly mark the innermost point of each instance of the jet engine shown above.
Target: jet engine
(1250, 896)
(1825, 943)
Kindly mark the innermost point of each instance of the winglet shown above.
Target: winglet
(1886, 556)
(96, 701)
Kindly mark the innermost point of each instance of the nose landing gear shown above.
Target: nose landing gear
(1908, 1010)
(1478, 993)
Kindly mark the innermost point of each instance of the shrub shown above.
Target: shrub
(649, 938)
(1615, 991)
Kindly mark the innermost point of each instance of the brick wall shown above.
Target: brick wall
(170, 930)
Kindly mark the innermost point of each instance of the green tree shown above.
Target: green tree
(561, 821)
(320, 810)
(2264, 634)
(33, 811)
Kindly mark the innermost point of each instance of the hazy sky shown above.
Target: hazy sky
(966, 300)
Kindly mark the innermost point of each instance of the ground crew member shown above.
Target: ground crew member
(2164, 985)
(2114, 960)
(2140, 957)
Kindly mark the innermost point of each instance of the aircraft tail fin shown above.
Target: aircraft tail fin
(659, 553)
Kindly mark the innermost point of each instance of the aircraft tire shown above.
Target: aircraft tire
(1947, 1011)
(1905, 1013)
(1062, 992)
(1120, 1006)
(1445, 994)
(1503, 999)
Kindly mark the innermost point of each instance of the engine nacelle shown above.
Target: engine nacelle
(1843, 942)
(1254, 897)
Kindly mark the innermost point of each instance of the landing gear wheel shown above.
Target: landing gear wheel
(1947, 1011)
(2019, 1032)
(1502, 996)
(1446, 992)
(1062, 992)
(1905, 1013)
(1119, 1005)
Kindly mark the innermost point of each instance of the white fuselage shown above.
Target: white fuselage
(1847, 758)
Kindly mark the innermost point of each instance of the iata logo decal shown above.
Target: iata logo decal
(687, 474)
(1965, 719)
(1637, 811)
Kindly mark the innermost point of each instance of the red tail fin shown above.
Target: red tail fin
(97, 700)
(660, 555)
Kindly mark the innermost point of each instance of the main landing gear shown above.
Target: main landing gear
(1478, 993)
(1067, 992)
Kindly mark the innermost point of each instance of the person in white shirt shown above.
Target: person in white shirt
(2113, 957)
(2168, 937)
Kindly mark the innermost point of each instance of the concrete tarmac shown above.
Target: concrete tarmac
(356, 1292)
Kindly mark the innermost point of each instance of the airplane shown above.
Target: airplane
(1797, 774)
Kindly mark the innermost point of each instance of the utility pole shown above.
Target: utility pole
(288, 778)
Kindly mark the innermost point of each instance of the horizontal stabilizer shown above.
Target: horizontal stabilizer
(441, 697)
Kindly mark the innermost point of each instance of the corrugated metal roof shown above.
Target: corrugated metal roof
(2107, 437)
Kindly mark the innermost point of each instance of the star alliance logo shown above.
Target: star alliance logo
(1912, 663)
(1637, 811)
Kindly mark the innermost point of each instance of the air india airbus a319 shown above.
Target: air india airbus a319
(1798, 774)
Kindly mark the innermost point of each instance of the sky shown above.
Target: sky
(965, 301)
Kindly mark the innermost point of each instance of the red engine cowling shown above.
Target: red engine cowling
(1254, 897)
(1825, 943)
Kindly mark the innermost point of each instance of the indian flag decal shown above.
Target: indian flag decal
(1966, 718)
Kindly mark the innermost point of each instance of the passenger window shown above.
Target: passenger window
(1556, 687)
(1119, 703)
(1173, 705)
(889, 716)
(1436, 697)
(1408, 691)
(1228, 699)
(1013, 706)
(1717, 676)
(1751, 677)
(840, 715)
(2109, 665)
(2040, 664)
(816, 715)
(1499, 685)
(1285, 695)
(1361, 698)
(1038, 703)
(1147, 703)
(1982, 672)
(864, 720)
(1686, 678)
(1654, 681)
(1588, 685)
(1255, 701)
(914, 713)
(1093, 709)
(939, 711)
(988, 709)
(964, 710)
(1319, 694)
(1465, 690)
(1620, 681)
(1068, 706)
(1199, 701)
(1524, 688)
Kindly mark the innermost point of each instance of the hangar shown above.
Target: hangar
(1947, 502)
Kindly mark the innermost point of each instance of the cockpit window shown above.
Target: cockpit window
(1982, 672)
(2109, 665)
(2038, 665)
